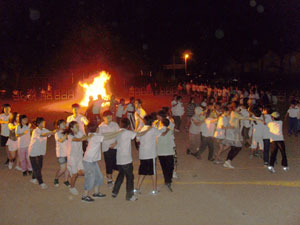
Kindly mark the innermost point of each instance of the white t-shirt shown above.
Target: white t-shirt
(178, 110)
(4, 126)
(258, 128)
(194, 129)
(104, 128)
(38, 144)
(75, 147)
(61, 147)
(124, 147)
(120, 111)
(268, 119)
(147, 148)
(166, 144)
(208, 128)
(275, 131)
(24, 140)
(96, 109)
(245, 113)
(80, 119)
(293, 112)
(93, 152)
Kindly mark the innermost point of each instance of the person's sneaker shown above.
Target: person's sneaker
(227, 164)
(24, 173)
(10, 165)
(137, 191)
(176, 130)
(132, 199)
(110, 184)
(34, 181)
(74, 191)
(6, 162)
(266, 164)
(218, 162)
(154, 192)
(99, 195)
(43, 186)
(67, 183)
(188, 151)
(87, 199)
(56, 183)
(169, 187)
(18, 168)
(114, 195)
(285, 168)
(271, 169)
(175, 176)
(29, 172)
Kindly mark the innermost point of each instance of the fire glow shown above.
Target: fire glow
(97, 87)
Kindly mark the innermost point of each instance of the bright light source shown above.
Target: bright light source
(186, 56)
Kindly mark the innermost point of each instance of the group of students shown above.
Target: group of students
(80, 143)
(233, 123)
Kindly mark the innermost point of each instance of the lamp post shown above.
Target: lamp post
(186, 56)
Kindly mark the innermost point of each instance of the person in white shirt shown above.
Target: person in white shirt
(12, 142)
(245, 124)
(139, 115)
(165, 152)
(207, 131)
(130, 110)
(277, 142)
(292, 115)
(177, 112)
(4, 118)
(23, 134)
(148, 154)
(108, 146)
(74, 154)
(120, 111)
(257, 144)
(37, 149)
(80, 119)
(266, 135)
(124, 161)
(61, 152)
(194, 131)
(96, 107)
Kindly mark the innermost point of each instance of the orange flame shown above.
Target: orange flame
(98, 87)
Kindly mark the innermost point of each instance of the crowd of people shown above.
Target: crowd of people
(229, 119)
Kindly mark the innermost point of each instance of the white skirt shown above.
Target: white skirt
(12, 145)
(74, 165)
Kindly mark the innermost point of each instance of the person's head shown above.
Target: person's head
(99, 97)
(179, 98)
(73, 128)
(275, 116)
(218, 106)
(267, 110)
(75, 109)
(61, 124)
(148, 120)
(198, 110)
(40, 122)
(23, 120)
(226, 111)
(138, 103)
(174, 97)
(107, 116)
(153, 115)
(125, 123)
(293, 104)
(91, 98)
(192, 100)
(132, 100)
(13, 117)
(166, 122)
(166, 110)
(6, 108)
(122, 101)
(92, 127)
(161, 115)
(235, 106)
(256, 112)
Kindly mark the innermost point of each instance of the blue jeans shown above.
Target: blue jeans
(298, 126)
(92, 175)
(293, 125)
(266, 150)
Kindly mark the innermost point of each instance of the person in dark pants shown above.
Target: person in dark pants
(277, 142)
(37, 149)
(165, 152)
(177, 112)
(292, 114)
(266, 135)
(124, 161)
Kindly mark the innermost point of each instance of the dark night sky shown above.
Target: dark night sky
(83, 35)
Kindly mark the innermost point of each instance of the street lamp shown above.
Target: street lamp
(186, 56)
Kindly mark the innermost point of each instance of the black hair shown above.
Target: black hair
(122, 100)
(131, 99)
(125, 123)
(107, 113)
(269, 109)
(166, 109)
(166, 122)
(58, 123)
(225, 108)
(20, 120)
(75, 105)
(257, 112)
(148, 120)
(139, 101)
(191, 99)
(154, 115)
(162, 114)
(92, 127)
(71, 125)
(178, 98)
(5, 106)
(13, 118)
(38, 121)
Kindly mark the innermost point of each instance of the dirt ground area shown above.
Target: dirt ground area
(205, 193)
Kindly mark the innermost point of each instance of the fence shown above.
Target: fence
(136, 92)
(44, 96)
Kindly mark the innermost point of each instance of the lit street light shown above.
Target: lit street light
(186, 56)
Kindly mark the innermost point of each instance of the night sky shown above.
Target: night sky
(47, 38)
